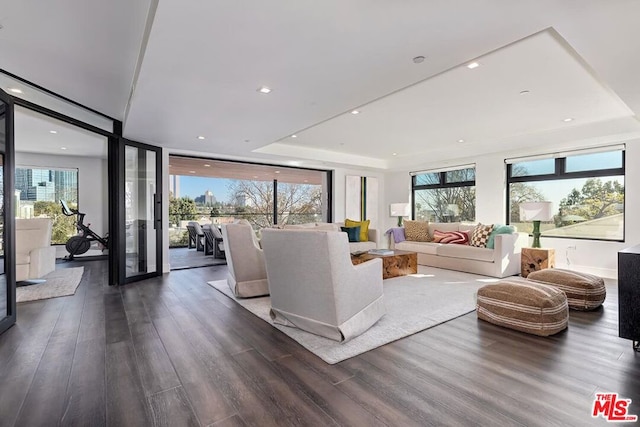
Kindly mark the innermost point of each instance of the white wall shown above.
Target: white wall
(339, 194)
(594, 257)
(92, 183)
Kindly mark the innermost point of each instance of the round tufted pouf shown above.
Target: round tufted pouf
(584, 291)
(525, 306)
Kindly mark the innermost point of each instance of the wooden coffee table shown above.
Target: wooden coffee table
(400, 263)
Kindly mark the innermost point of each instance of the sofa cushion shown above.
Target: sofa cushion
(364, 228)
(327, 226)
(466, 252)
(451, 237)
(499, 229)
(480, 235)
(421, 247)
(417, 231)
(353, 233)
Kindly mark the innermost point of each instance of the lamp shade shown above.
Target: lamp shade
(399, 209)
(536, 211)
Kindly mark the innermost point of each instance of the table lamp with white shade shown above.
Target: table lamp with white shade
(536, 212)
(400, 210)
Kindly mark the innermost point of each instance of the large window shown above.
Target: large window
(586, 188)
(38, 192)
(445, 196)
(214, 191)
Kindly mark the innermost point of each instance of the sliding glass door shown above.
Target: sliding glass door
(7, 269)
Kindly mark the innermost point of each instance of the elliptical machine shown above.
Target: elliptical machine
(81, 242)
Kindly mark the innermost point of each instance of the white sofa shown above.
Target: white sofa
(35, 257)
(315, 287)
(502, 261)
(335, 226)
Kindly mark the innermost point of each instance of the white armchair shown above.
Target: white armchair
(245, 261)
(315, 287)
(35, 257)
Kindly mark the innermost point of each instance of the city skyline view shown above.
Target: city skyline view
(195, 186)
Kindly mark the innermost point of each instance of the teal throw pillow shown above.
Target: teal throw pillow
(499, 229)
(353, 233)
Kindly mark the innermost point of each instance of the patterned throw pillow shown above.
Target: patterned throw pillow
(480, 235)
(417, 231)
(364, 228)
(457, 237)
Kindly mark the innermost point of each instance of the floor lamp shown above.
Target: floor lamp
(536, 212)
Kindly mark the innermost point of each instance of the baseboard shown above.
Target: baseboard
(609, 273)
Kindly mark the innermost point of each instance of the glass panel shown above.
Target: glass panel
(428, 178)
(213, 191)
(461, 175)
(4, 306)
(534, 167)
(446, 204)
(38, 195)
(584, 208)
(140, 183)
(594, 161)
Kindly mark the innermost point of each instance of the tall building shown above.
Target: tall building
(174, 185)
(209, 198)
(48, 185)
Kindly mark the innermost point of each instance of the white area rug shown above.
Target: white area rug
(413, 303)
(59, 283)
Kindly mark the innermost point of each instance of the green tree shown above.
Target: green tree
(182, 209)
(63, 226)
(595, 200)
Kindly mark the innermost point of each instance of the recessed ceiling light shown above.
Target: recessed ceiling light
(294, 136)
(461, 140)
(473, 65)
(207, 165)
(306, 180)
(524, 92)
(63, 148)
(53, 131)
(264, 89)
(277, 171)
(201, 137)
(192, 171)
(355, 112)
(418, 59)
(568, 119)
(255, 176)
(394, 154)
(15, 90)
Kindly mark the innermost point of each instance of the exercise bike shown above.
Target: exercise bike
(81, 242)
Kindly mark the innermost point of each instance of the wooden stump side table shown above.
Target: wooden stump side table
(534, 259)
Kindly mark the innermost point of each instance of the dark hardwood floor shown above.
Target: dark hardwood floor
(173, 351)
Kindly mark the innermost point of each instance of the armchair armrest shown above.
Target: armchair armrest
(373, 235)
(43, 261)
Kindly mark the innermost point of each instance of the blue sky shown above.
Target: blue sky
(194, 186)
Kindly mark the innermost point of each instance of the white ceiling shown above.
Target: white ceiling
(204, 61)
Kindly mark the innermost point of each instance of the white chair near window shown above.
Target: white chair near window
(35, 257)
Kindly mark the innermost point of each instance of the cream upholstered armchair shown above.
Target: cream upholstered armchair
(245, 260)
(315, 287)
(35, 257)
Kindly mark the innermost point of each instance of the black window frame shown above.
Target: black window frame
(560, 174)
(443, 183)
